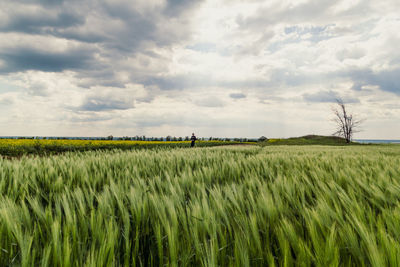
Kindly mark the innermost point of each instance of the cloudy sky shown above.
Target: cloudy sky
(214, 67)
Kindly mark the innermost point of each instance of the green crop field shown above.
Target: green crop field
(220, 206)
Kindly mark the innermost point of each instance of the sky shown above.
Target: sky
(220, 68)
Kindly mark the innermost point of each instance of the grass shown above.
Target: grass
(309, 140)
(222, 206)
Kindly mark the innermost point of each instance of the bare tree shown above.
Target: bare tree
(346, 124)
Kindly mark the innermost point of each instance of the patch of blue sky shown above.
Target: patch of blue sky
(295, 34)
(203, 47)
(301, 30)
(7, 87)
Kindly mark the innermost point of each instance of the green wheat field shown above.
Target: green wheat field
(219, 206)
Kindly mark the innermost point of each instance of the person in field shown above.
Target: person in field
(193, 138)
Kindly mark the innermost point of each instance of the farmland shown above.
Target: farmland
(219, 206)
(19, 147)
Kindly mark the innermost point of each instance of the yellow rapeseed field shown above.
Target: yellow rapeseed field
(18, 147)
(79, 143)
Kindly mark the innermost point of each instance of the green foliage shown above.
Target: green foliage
(309, 140)
(222, 206)
(262, 139)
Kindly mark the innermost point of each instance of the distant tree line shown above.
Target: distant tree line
(143, 138)
(186, 138)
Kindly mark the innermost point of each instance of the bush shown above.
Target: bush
(262, 139)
